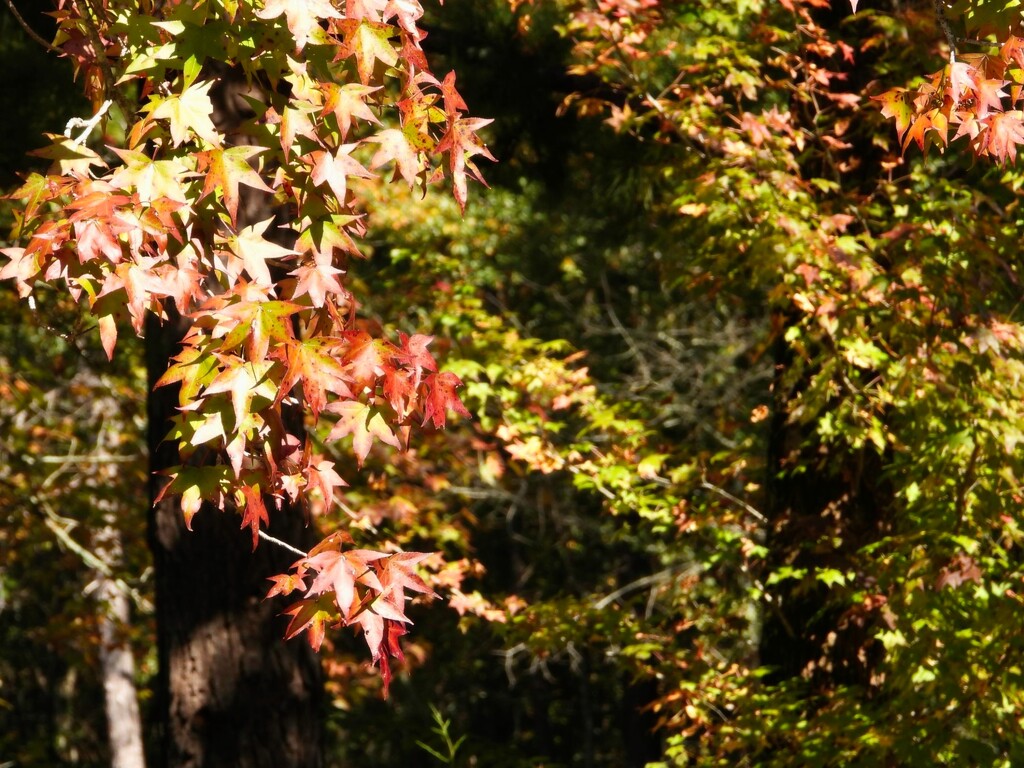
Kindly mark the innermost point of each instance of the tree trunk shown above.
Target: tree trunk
(117, 666)
(231, 690)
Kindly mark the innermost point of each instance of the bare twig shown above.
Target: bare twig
(729, 497)
(940, 16)
(86, 125)
(644, 581)
(294, 550)
(87, 458)
(29, 31)
(61, 528)
(510, 656)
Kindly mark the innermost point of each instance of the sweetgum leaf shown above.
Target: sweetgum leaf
(243, 381)
(394, 145)
(311, 363)
(255, 250)
(347, 102)
(364, 424)
(301, 16)
(285, 584)
(312, 614)
(369, 42)
(225, 169)
(440, 396)
(194, 485)
(188, 114)
(254, 513)
(462, 144)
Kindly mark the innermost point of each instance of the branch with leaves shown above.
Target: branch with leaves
(339, 95)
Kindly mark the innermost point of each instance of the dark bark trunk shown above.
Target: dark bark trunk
(231, 690)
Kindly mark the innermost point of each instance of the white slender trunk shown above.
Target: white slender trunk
(124, 724)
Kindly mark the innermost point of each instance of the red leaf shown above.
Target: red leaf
(397, 575)
(394, 145)
(440, 396)
(285, 584)
(1003, 133)
(339, 572)
(320, 475)
(390, 647)
(363, 423)
(311, 363)
(369, 42)
(255, 512)
(462, 144)
(226, 169)
(317, 280)
(365, 359)
(314, 615)
(453, 101)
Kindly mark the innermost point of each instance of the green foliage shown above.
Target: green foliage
(448, 748)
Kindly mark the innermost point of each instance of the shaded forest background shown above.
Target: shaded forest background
(741, 484)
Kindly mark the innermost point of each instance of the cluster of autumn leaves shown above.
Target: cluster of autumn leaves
(976, 96)
(163, 224)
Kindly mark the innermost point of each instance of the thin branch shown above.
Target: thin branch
(645, 369)
(510, 657)
(61, 528)
(479, 493)
(294, 550)
(29, 31)
(940, 16)
(86, 125)
(645, 581)
(598, 486)
(86, 458)
(729, 497)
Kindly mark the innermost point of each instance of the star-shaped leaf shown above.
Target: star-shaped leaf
(301, 16)
(364, 424)
(227, 168)
(313, 614)
(255, 250)
(440, 396)
(368, 42)
(462, 144)
(189, 113)
(243, 381)
(255, 512)
(395, 145)
(311, 362)
(348, 101)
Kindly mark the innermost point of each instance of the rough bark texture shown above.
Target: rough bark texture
(231, 691)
